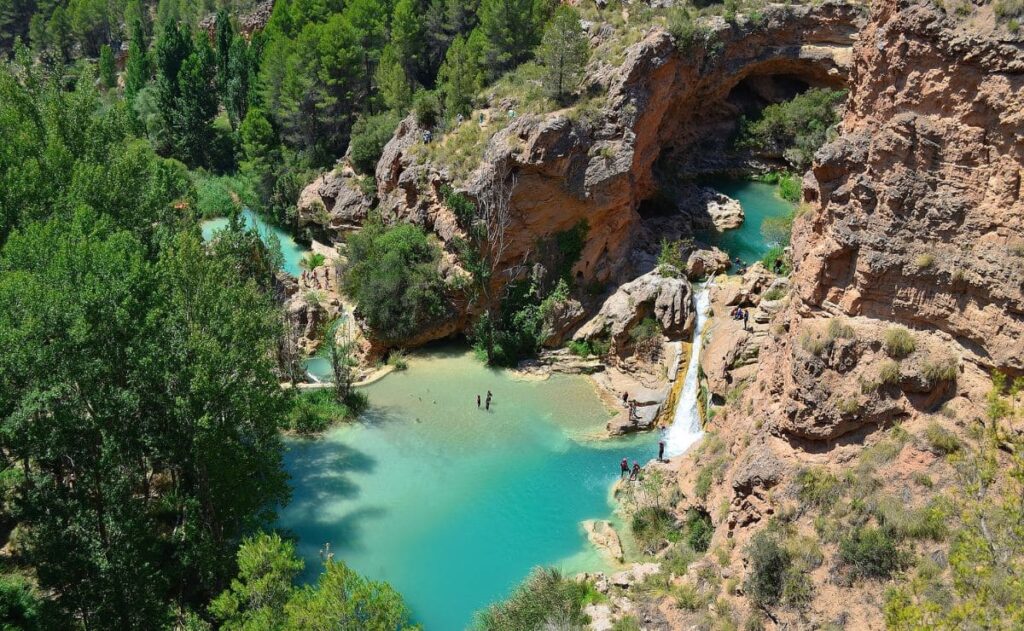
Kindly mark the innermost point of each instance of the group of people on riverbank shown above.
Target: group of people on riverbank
(634, 473)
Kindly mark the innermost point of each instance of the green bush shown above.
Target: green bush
(397, 360)
(652, 525)
(871, 553)
(899, 342)
(21, 607)
(839, 329)
(312, 260)
(775, 253)
(818, 487)
(790, 187)
(369, 135)
(627, 623)
(796, 128)
(889, 373)
(586, 348)
(316, 411)
(646, 329)
(775, 293)
(221, 196)
(426, 106)
(392, 275)
(769, 564)
(670, 259)
(941, 440)
(942, 369)
(698, 530)
(545, 596)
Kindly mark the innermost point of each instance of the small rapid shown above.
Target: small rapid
(685, 429)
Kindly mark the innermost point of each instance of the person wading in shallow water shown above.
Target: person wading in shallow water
(488, 405)
(478, 401)
(623, 467)
(661, 451)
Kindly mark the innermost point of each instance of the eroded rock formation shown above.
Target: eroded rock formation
(659, 103)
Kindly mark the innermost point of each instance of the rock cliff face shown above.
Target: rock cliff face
(912, 232)
(659, 104)
(921, 216)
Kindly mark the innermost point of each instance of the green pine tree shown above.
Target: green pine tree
(563, 52)
(108, 69)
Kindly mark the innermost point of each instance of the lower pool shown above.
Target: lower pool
(451, 504)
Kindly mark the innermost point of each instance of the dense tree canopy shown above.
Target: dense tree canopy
(393, 277)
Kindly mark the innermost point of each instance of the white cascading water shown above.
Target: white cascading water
(685, 429)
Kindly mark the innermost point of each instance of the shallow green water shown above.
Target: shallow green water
(290, 249)
(759, 202)
(454, 505)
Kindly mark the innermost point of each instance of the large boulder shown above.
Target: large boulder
(665, 298)
(334, 201)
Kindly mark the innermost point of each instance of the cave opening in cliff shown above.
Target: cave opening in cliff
(752, 94)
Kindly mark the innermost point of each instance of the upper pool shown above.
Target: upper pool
(451, 504)
(290, 249)
(759, 201)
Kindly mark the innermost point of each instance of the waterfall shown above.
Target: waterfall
(685, 429)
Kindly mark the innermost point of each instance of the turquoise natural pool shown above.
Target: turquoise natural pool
(290, 249)
(760, 201)
(450, 504)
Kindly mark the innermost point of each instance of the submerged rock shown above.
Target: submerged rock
(602, 535)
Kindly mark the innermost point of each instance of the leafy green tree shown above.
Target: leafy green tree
(186, 73)
(108, 70)
(92, 24)
(59, 31)
(344, 600)
(392, 81)
(543, 597)
(137, 69)
(14, 21)
(459, 78)
(267, 568)
(510, 30)
(563, 52)
(369, 135)
(795, 129)
(368, 20)
(145, 458)
(408, 39)
(392, 275)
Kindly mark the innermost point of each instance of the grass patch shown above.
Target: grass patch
(398, 360)
(885, 450)
(839, 329)
(899, 342)
(316, 411)
(942, 369)
(818, 487)
(940, 440)
(775, 293)
(889, 373)
(871, 552)
(652, 525)
(928, 522)
(924, 261)
(589, 348)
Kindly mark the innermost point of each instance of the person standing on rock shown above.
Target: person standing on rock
(661, 451)
(746, 316)
(625, 399)
(635, 475)
(623, 467)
